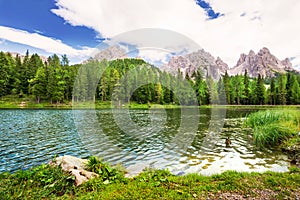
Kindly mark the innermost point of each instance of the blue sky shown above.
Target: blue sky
(36, 17)
(222, 27)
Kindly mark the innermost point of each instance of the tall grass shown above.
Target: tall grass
(272, 127)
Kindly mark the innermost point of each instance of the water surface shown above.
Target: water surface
(149, 138)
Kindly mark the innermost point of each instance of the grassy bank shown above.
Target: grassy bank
(274, 127)
(48, 182)
(28, 102)
(14, 102)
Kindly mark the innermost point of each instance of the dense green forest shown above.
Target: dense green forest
(125, 80)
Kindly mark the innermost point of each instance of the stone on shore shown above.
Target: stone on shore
(76, 167)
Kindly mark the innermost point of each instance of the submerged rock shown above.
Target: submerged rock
(293, 152)
(76, 167)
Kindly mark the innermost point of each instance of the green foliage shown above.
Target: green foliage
(47, 182)
(44, 181)
(106, 171)
(154, 177)
(125, 80)
(272, 127)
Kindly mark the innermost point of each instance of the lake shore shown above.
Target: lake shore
(14, 102)
(50, 182)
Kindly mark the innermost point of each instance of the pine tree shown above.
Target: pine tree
(38, 84)
(4, 74)
(294, 89)
(246, 89)
(272, 93)
(226, 82)
(260, 90)
(282, 89)
(159, 93)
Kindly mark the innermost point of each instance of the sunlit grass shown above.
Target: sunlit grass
(272, 127)
(49, 182)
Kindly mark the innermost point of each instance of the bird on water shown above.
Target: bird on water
(228, 142)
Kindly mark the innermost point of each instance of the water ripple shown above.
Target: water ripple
(32, 137)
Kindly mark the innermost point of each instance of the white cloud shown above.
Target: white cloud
(245, 25)
(296, 62)
(273, 24)
(39, 41)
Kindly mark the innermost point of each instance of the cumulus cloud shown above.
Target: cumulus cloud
(39, 41)
(245, 24)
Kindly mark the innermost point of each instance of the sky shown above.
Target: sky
(225, 28)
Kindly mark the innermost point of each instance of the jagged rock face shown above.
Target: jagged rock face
(263, 63)
(223, 67)
(111, 53)
(202, 60)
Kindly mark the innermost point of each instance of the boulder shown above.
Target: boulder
(76, 167)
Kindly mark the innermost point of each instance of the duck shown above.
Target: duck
(228, 142)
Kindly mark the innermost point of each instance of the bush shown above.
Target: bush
(107, 172)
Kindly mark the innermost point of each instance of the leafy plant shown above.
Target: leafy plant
(107, 172)
(154, 177)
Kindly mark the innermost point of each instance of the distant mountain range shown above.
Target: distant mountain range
(200, 60)
(14, 54)
(263, 63)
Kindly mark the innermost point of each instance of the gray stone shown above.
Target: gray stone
(76, 167)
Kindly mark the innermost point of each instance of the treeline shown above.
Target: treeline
(125, 80)
(50, 80)
(283, 89)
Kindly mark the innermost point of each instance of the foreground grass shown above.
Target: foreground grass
(48, 182)
(274, 127)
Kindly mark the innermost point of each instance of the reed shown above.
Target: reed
(272, 127)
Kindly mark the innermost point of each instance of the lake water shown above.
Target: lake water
(184, 141)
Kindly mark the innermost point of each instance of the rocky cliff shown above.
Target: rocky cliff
(263, 63)
(111, 53)
(200, 60)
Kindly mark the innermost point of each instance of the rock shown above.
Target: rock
(200, 60)
(293, 153)
(263, 63)
(76, 167)
(111, 53)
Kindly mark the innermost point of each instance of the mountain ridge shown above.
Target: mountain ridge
(263, 63)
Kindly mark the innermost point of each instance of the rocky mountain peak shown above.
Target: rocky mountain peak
(199, 60)
(251, 53)
(111, 53)
(263, 63)
(263, 51)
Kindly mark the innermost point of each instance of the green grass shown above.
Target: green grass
(273, 127)
(48, 182)
(107, 173)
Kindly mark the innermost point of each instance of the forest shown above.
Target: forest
(125, 80)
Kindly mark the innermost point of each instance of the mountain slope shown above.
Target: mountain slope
(263, 63)
(200, 60)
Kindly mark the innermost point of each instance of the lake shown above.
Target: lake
(182, 140)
